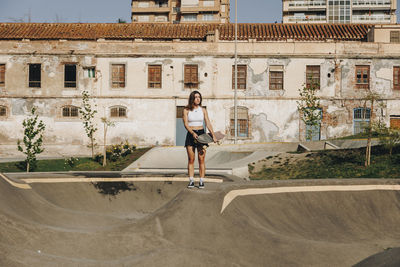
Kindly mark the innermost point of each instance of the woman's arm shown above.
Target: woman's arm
(186, 124)
(208, 124)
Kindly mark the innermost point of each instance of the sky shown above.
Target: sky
(256, 11)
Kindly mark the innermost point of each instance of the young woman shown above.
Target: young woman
(194, 116)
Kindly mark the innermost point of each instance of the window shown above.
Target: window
(276, 78)
(118, 112)
(396, 78)
(395, 122)
(70, 111)
(3, 111)
(208, 17)
(362, 77)
(313, 76)
(2, 74)
(241, 76)
(191, 79)
(118, 75)
(90, 72)
(70, 75)
(395, 36)
(189, 17)
(361, 119)
(242, 122)
(154, 76)
(34, 75)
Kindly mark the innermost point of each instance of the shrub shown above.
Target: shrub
(116, 152)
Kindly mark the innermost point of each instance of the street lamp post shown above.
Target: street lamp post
(236, 78)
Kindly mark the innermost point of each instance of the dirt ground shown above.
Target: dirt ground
(279, 160)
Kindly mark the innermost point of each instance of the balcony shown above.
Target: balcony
(313, 19)
(307, 5)
(371, 18)
(151, 8)
(371, 4)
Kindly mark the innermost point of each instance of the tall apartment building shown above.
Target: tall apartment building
(339, 11)
(177, 11)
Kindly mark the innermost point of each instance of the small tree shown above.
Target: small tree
(107, 123)
(33, 139)
(309, 107)
(388, 137)
(87, 113)
(371, 97)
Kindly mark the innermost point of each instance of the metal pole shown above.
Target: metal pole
(236, 78)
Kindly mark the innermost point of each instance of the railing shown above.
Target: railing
(307, 3)
(371, 2)
(360, 18)
(306, 18)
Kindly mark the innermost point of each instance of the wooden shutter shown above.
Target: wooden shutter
(396, 78)
(154, 76)
(313, 76)
(118, 75)
(362, 77)
(191, 78)
(241, 76)
(2, 74)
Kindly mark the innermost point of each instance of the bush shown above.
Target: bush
(116, 152)
(71, 162)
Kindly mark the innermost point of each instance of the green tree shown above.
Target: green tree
(87, 113)
(107, 123)
(388, 137)
(309, 107)
(371, 98)
(33, 139)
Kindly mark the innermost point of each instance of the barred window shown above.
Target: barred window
(313, 76)
(35, 75)
(191, 77)
(242, 122)
(2, 74)
(396, 78)
(362, 77)
(70, 111)
(3, 111)
(118, 75)
(118, 112)
(276, 78)
(241, 76)
(70, 75)
(361, 119)
(154, 76)
(395, 36)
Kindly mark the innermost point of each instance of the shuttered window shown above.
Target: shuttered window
(70, 75)
(35, 75)
(154, 76)
(362, 77)
(118, 75)
(276, 78)
(242, 122)
(396, 78)
(241, 76)
(118, 112)
(70, 111)
(191, 77)
(313, 76)
(395, 122)
(2, 74)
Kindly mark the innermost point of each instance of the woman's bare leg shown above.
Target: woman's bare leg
(202, 164)
(191, 158)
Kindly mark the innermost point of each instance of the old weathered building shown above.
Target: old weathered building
(140, 76)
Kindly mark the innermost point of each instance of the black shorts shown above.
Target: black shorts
(190, 141)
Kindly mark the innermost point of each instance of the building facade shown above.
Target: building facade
(140, 77)
(335, 11)
(180, 11)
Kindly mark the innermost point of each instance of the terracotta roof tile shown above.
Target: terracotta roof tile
(259, 31)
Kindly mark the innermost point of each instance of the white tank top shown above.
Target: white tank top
(196, 117)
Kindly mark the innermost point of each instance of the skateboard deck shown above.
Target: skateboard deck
(207, 138)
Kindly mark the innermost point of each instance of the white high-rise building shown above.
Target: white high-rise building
(339, 11)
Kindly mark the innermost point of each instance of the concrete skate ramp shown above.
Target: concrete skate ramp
(166, 224)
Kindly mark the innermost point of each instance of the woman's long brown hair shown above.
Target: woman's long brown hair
(192, 95)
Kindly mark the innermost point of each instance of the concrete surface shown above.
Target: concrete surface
(165, 224)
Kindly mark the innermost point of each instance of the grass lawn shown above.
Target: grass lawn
(335, 164)
(83, 164)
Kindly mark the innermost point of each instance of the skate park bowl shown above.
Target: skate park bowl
(263, 223)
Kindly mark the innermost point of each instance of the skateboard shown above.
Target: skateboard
(206, 138)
